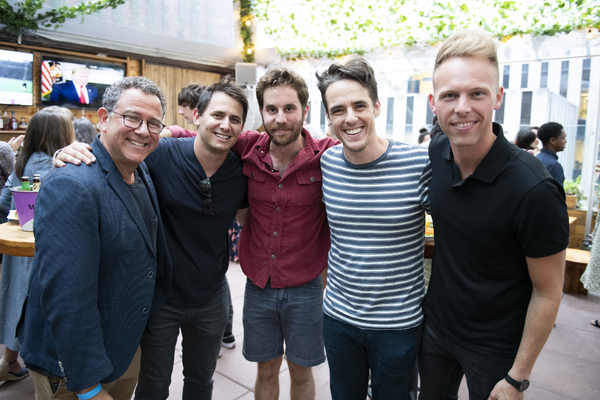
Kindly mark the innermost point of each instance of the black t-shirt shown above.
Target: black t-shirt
(485, 226)
(197, 242)
(141, 197)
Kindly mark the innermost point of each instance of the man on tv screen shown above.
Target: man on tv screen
(76, 90)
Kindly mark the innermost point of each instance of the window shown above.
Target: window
(408, 129)
(564, 78)
(524, 75)
(309, 112)
(544, 76)
(410, 101)
(413, 86)
(389, 129)
(429, 118)
(323, 118)
(585, 88)
(499, 118)
(526, 109)
(506, 76)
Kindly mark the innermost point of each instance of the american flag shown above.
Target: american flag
(46, 79)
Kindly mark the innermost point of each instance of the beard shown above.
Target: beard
(279, 140)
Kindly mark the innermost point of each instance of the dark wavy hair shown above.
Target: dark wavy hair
(356, 68)
(48, 131)
(282, 77)
(228, 86)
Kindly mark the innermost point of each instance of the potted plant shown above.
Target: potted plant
(572, 191)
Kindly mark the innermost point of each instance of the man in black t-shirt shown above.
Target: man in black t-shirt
(501, 229)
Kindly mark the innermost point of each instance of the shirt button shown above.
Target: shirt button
(272, 256)
(312, 178)
(144, 310)
(278, 209)
(151, 274)
(281, 186)
(274, 233)
(252, 174)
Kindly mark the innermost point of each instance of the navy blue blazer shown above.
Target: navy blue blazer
(66, 92)
(97, 274)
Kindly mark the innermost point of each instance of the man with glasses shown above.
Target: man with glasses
(200, 187)
(101, 261)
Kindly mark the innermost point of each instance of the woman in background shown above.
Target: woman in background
(48, 131)
(84, 130)
(527, 140)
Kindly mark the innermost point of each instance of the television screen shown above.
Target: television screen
(77, 83)
(16, 78)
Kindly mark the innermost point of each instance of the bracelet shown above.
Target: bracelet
(56, 153)
(91, 393)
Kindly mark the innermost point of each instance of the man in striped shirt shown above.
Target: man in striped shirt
(375, 192)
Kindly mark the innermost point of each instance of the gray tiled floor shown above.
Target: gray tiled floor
(568, 368)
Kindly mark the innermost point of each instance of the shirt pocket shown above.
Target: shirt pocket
(308, 188)
(256, 183)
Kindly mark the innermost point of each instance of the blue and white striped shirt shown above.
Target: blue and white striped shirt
(376, 217)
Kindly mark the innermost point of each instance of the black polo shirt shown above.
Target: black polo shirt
(485, 226)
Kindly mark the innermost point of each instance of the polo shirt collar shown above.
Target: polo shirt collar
(549, 152)
(493, 162)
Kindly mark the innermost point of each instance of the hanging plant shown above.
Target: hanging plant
(27, 15)
(333, 28)
(246, 18)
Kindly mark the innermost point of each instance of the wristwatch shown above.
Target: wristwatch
(521, 386)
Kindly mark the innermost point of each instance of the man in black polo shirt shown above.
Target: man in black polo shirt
(501, 229)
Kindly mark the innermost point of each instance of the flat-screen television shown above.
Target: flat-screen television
(16, 78)
(77, 83)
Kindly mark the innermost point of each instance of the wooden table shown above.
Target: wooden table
(576, 262)
(16, 242)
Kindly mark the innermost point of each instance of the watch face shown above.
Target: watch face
(523, 385)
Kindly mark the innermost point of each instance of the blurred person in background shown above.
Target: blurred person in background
(85, 132)
(527, 139)
(554, 139)
(48, 131)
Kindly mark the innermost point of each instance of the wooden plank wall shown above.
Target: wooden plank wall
(171, 80)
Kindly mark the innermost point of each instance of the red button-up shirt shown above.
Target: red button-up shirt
(286, 237)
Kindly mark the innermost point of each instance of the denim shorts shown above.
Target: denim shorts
(292, 315)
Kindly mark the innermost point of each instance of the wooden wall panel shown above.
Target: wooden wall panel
(171, 80)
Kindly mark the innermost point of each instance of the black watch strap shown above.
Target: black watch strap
(521, 386)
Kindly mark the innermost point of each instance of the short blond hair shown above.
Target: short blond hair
(468, 43)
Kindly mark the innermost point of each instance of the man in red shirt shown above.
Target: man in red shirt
(285, 240)
(284, 244)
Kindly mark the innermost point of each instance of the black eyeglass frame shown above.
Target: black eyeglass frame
(125, 116)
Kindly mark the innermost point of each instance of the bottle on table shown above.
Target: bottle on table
(23, 124)
(37, 181)
(25, 184)
(6, 121)
(14, 124)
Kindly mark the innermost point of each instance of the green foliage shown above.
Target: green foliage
(572, 188)
(27, 15)
(334, 28)
(246, 30)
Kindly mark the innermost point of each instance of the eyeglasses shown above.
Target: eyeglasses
(134, 122)
(206, 189)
